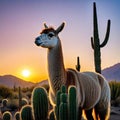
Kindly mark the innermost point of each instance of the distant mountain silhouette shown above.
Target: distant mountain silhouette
(112, 73)
(10, 81)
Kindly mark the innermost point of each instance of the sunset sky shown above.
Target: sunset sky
(21, 21)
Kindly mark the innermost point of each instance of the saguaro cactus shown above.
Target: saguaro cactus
(20, 98)
(40, 103)
(78, 64)
(95, 41)
(26, 113)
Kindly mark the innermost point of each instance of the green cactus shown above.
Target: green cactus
(63, 108)
(95, 42)
(78, 64)
(4, 102)
(7, 115)
(20, 98)
(66, 104)
(17, 116)
(40, 103)
(72, 103)
(57, 104)
(26, 113)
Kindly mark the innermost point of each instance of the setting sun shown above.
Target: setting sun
(26, 73)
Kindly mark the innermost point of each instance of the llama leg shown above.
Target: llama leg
(88, 114)
(102, 113)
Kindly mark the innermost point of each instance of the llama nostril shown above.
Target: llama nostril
(37, 39)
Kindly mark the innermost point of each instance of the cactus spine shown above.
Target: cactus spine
(72, 103)
(26, 113)
(7, 115)
(78, 64)
(95, 42)
(40, 103)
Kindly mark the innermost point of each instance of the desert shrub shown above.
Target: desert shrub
(28, 94)
(13, 104)
(5, 92)
(116, 102)
(115, 89)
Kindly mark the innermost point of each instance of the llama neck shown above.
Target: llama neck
(56, 70)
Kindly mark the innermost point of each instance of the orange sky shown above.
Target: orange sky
(21, 21)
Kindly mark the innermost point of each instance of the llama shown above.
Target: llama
(93, 91)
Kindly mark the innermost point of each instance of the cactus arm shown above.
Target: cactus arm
(107, 34)
(92, 43)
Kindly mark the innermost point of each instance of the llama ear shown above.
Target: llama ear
(60, 28)
(45, 25)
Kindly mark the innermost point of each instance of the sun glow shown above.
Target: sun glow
(26, 73)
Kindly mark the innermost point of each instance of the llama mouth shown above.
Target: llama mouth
(38, 43)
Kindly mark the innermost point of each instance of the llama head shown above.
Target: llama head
(49, 36)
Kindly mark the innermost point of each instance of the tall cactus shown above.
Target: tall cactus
(26, 113)
(7, 115)
(78, 64)
(40, 103)
(95, 41)
(20, 98)
(72, 103)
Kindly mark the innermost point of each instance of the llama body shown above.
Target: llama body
(92, 89)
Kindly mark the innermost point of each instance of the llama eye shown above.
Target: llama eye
(50, 35)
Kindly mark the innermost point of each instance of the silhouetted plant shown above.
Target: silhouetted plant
(95, 41)
(78, 64)
(20, 98)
